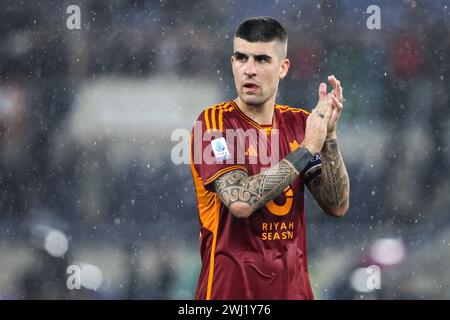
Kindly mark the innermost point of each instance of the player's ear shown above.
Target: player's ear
(232, 62)
(284, 68)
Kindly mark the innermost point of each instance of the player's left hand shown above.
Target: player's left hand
(337, 105)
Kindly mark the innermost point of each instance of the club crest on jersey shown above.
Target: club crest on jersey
(220, 149)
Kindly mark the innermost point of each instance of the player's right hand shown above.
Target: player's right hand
(317, 122)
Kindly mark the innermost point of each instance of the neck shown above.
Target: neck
(262, 114)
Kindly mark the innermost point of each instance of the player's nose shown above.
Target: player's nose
(250, 68)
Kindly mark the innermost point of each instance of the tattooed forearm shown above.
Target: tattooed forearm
(243, 194)
(332, 188)
(255, 190)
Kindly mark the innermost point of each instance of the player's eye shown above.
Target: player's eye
(241, 57)
(262, 59)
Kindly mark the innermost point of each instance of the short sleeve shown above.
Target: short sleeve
(211, 153)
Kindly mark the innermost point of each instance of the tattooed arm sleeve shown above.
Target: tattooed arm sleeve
(331, 187)
(243, 194)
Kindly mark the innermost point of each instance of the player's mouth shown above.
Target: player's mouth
(250, 87)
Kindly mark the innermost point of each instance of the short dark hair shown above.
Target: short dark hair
(261, 29)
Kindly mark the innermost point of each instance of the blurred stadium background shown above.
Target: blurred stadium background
(85, 141)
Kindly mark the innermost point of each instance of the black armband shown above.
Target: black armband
(299, 158)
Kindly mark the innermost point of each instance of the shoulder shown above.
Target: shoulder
(213, 116)
(283, 109)
(292, 114)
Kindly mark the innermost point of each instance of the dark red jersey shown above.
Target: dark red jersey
(264, 256)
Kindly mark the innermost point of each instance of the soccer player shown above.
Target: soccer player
(251, 203)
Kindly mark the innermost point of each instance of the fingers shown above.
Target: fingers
(327, 116)
(322, 90)
(336, 103)
(316, 113)
(337, 88)
(333, 81)
(324, 103)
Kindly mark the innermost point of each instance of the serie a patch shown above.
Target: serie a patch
(220, 149)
